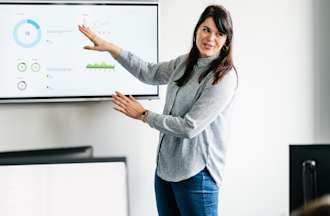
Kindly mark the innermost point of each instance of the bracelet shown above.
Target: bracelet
(144, 115)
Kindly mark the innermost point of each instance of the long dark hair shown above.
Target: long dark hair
(224, 62)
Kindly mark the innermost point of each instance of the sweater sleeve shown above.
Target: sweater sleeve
(150, 73)
(212, 102)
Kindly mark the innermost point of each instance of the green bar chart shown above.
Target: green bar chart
(102, 65)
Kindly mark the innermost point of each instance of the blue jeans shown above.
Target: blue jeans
(196, 196)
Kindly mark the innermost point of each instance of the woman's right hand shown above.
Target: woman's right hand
(99, 43)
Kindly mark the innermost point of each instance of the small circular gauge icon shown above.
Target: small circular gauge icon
(21, 85)
(35, 67)
(21, 66)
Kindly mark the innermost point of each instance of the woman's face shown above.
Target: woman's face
(209, 40)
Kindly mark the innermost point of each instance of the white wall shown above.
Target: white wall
(321, 70)
(274, 54)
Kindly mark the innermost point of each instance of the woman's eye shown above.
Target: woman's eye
(205, 29)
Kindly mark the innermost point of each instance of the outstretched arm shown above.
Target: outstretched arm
(154, 74)
(212, 102)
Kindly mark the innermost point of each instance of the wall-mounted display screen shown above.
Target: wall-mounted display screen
(42, 55)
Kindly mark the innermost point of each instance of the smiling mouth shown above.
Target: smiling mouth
(207, 46)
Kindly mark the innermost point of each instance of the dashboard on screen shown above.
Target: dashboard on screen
(42, 55)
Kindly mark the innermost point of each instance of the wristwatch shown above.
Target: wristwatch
(144, 115)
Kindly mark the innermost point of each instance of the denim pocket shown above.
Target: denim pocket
(208, 179)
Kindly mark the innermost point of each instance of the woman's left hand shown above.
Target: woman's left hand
(127, 105)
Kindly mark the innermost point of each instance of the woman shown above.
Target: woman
(193, 126)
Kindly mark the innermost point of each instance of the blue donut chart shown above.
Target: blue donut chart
(24, 24)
